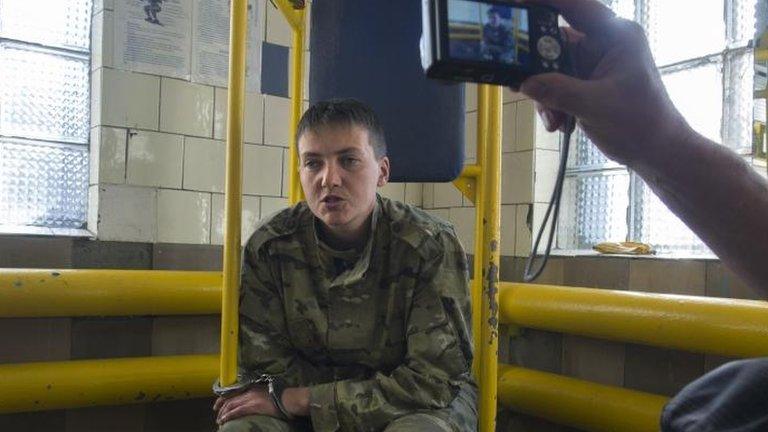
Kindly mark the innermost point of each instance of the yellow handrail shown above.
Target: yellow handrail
(49, 293)
(84, 383)
(739, 327)
(489, 316)
(477, 282)
(701, 324)
(238, 30)
(581, 404)
(296, 194)
(296, 18)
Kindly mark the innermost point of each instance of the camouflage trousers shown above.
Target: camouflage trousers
(418, 422)
(459, 416)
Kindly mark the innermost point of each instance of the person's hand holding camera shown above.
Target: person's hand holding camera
(617, 95)
(619, 100)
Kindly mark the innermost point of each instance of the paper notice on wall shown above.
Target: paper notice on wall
(210, 44)
(154, 36)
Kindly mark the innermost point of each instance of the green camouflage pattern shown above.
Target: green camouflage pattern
(386, 338)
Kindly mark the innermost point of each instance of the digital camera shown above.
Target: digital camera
(489, 41)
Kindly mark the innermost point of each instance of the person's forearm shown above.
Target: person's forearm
(718, 195)
(296, 401)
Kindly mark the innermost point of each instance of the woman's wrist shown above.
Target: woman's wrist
(296, 401)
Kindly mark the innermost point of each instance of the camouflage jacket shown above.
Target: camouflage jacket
(387, 337)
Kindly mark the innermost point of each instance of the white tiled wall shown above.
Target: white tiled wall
(158, 152)
(154, 159)
(183, 217)
(186, 108)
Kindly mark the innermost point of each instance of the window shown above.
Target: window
(703, 51)
(44, 113)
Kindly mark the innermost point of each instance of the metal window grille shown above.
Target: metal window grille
(44, 113)
(706, 62)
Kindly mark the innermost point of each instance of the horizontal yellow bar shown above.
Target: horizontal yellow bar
(701, 324)
(84, 383)
(471, 171)
(581, 404)
(46, 293)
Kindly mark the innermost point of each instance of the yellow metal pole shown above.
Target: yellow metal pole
(84, 383)
(581, 404)
(701, 324)
(238, 29)
(49, 293)
(297, 72)
(479, 249)
(490, 276)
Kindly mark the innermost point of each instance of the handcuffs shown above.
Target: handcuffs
(275, 388)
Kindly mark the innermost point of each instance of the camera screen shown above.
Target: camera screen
(487, 32)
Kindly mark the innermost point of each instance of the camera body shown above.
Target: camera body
(490, 41)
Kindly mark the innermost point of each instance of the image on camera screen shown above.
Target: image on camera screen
(487, 32)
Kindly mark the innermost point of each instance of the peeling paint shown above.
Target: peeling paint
(492, 292)
(55, 274)
(140, 396)
(18, 284)
(48, 387)
(494, 245)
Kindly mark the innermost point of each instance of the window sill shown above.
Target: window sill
(573, 253)
(23, 230)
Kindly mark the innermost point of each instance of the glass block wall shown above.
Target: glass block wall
(709, 74)
(44, 113)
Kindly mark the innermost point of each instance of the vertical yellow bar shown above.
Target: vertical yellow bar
(490, 310)
(238, 29)
(297, 90)
(477, 280)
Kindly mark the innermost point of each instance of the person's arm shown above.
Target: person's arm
(437, 361)
(719, 196)
(621, 104)
(265, 348)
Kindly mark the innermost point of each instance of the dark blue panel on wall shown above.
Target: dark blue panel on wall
(369, 50)
(274, 69)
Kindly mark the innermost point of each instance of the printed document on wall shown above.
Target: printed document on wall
(154, 36)
(210, 44)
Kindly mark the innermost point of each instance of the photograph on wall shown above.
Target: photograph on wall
(210, 44)
(154, 36)
(487, 32)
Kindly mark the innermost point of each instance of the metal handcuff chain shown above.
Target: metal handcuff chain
(275, 388)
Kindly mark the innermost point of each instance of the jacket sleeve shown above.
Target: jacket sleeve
(264, 344)
(437, 361)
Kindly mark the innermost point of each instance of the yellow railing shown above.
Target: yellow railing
(577, 403)
(234, 177)
(85, 383)
(233, 199)
(68, 293)
(709, 325)
(726, 327)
